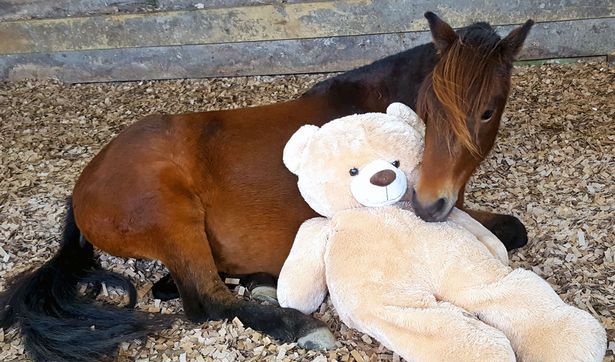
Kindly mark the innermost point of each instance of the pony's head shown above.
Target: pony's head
(461, 102)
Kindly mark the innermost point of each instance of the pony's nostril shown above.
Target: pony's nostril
(439, 205)
(382, 178)
(436, 211)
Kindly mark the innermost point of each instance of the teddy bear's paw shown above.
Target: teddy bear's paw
(565, 334)
(265, 294)
(321, 338)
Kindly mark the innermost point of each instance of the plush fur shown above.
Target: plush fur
(429, 291)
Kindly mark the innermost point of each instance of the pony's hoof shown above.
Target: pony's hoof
(321, 338)
(265, 294)
(509, 230)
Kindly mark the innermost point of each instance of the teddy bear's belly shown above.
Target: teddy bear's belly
(385, 255)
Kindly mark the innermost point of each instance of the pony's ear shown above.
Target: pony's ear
(512, 44)
(293, 151)
(442, 33)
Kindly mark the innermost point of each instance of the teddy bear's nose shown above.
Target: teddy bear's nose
(382, 178)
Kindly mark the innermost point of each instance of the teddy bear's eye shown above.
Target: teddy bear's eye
(395, 163)
(353, 171)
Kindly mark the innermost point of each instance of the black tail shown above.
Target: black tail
(57, 322)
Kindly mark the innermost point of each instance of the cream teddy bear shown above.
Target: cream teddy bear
(428, 291)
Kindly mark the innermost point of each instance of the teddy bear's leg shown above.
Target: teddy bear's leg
(540, 326)
(435, 331)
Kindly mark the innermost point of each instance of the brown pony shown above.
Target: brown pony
(207, 193)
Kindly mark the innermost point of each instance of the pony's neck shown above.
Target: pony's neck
(373, 87)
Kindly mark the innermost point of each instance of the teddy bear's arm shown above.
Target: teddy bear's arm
(495, 246)
(302, 283)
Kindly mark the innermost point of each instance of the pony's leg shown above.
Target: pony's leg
(186, 252)
(165, 288)
(262, 286)
(540, 326)
(509, 229)
(434, 332)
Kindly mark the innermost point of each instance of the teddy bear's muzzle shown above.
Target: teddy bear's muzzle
(379, 183)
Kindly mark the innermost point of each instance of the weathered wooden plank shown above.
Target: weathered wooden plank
(37, 9)
(534, 62)
(276, 22)
(548, 40)
(27, 9)
(43, 9)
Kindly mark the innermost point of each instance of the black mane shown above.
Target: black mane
(381, 67)
(481, 35)
(397, 77)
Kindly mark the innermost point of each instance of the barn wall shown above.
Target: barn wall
(101, 40)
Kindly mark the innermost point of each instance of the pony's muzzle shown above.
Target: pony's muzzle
(433, 212)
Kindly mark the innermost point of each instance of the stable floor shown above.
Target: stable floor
(553, 166)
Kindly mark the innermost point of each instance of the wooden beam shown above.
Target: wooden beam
(45, 9)
(275, 22)
(590, 59)
(579, 38)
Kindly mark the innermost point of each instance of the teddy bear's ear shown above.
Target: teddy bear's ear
(406, 113)
(293, 151)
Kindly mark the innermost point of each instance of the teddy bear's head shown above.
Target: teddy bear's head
(360, 160)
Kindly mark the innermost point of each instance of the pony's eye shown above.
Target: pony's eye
(353, 172)
(395, 163)
(486, 116)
